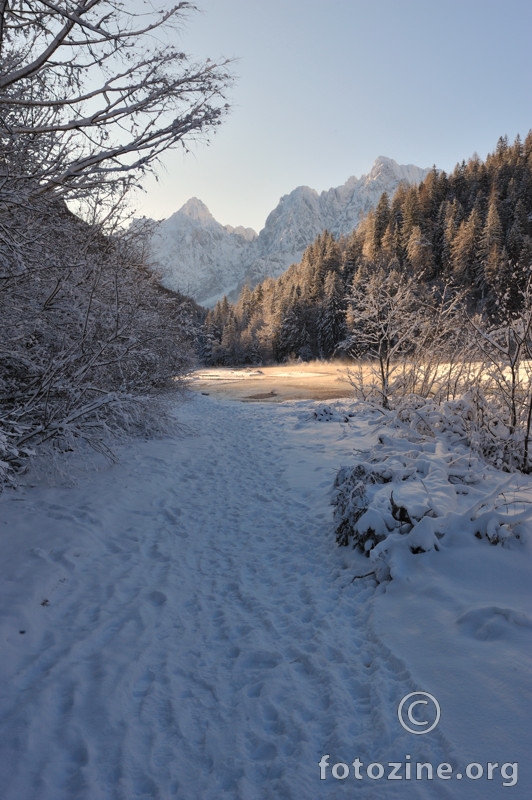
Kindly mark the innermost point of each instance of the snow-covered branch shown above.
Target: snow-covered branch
(91, 94)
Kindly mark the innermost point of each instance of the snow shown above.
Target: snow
(182, 625)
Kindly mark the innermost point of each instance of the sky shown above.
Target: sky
(324, 88)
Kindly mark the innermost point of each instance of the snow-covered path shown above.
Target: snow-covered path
(187, 629)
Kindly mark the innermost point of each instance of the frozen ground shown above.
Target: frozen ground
(182, 625)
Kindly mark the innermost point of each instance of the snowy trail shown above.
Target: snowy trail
(190, 631)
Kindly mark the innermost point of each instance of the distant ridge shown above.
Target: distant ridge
(197, 255)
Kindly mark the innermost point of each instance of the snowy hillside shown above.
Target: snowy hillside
(200, 257)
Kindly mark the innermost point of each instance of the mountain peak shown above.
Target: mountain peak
(384, 161)
(196, 210)
(386, 168)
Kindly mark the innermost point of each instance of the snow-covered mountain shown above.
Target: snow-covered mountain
(198, 256)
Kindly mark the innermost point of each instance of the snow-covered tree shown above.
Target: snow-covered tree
(464, 250)
(505, 350)
(92, 92)
(384, 312)
(331, 315)
(419, 253)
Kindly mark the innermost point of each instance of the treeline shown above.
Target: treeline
(470, 232)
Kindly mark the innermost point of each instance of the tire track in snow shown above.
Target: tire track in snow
(202, 638)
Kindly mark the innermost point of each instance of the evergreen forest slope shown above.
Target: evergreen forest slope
(468, 233)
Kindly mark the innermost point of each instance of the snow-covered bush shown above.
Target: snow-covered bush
(505, 349)
(88, 338)
(11, 458)
(473, 420)
(329, 413)
(423, 487)
(356, 521)
(408, 341)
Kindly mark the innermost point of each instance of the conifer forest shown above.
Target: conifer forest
(466, 234)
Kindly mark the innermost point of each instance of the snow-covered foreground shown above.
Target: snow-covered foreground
(182, 625)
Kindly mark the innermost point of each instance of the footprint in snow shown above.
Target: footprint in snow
(157, 598)
(260, 659)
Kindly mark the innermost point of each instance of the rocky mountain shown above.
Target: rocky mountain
(198, 256)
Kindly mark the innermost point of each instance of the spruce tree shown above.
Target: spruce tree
(331, 316)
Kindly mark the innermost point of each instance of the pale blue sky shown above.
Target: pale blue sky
(323, 88)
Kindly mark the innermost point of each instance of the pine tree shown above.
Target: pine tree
(382, 218)
(292, 334)
(331, 316)
(230, 344)
(517, 233)
(491, 252)
(492, 232)
(391, 249)
(245, 306)
(464, 250)
(419, 254)
(411, 214)
(451, 215)
(498, 272)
